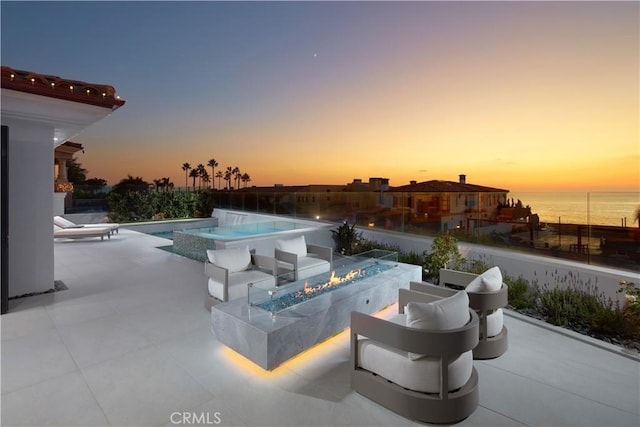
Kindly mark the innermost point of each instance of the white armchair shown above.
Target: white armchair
(418, 364)
(302, 259)
(230, 271)
(487, 296)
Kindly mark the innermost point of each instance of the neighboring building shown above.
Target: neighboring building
(447, 205)
(39, 112)
(434, 205)
(329, 202)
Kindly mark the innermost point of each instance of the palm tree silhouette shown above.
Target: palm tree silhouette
(227, 176)
(194, 174)
(212, 163)
(219, 175)
(201, 171)
(236, 174)
(206, 178)
(185, 168)
(245, 178)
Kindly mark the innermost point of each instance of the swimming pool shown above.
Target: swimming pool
(258, 232)
(226, 232)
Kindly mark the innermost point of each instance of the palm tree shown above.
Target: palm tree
(245, 178)
(227, 176)
(219, 175)
(201, 171)
(206, 178)
(194, 174)
(212, 163)
(236, 174)
(166, 183)
(185, 168)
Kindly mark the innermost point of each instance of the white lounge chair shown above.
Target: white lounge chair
(65, 223)
(231, 270)
(487, 296)
(81, 232)
(301, 258)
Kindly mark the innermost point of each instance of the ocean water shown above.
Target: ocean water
(594, 208)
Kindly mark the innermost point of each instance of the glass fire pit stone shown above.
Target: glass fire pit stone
(358, 267)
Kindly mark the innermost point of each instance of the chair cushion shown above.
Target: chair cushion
(489, 281)
(420, 375)
(495, 322)
(238, 284)
(441, 315)
(233, 259)
(297, 246)
(62, 222)
(307, 266)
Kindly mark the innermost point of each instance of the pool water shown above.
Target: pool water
(236, 231)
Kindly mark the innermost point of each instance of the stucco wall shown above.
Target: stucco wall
(31, 263)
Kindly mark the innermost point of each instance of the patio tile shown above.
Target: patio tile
(143, 388)
(25, 322)
(536, 403)
(32, 359)
(102, 339)
(62, 401)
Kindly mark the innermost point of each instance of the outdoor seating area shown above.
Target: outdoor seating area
(91, 354)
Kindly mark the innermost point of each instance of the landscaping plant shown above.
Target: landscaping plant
(346, 238)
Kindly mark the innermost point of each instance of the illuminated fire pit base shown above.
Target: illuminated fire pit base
(268, 340)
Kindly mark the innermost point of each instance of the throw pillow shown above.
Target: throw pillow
(233, 259)
(297, 245)
(441, 315)
(489, 281)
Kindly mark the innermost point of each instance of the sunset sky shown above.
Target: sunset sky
(517, 95)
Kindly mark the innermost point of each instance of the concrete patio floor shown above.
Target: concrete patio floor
(130, 344)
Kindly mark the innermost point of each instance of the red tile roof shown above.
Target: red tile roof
(436, 186)
(57, 87)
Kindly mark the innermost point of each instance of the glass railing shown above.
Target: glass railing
(595, 227)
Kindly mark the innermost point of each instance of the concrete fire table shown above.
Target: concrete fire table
(271, 326)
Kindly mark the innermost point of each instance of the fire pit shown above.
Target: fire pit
(276, 324)
(348, 271)
(283, 297)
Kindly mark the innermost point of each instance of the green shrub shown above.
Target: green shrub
(559, 306)
(346, 238)
(444, 254)
(144, 206)
(520, 295)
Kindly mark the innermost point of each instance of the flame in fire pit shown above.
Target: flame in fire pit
(333, 281)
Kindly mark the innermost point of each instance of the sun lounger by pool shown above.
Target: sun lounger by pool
(65, 223)
(81, 232)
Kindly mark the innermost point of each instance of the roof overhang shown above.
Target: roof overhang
(67, 118)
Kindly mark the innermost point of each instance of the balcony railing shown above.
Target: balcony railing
(598, 228)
